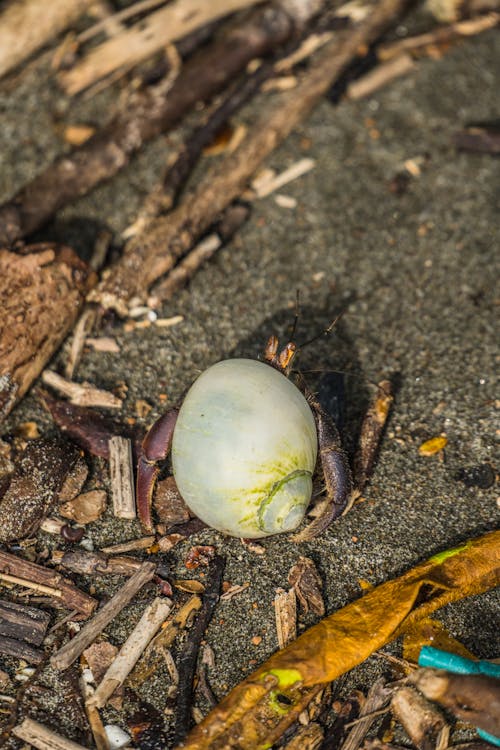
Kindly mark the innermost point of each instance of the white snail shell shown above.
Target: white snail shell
(244, 449)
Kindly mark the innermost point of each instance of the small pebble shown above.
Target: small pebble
(116, 736)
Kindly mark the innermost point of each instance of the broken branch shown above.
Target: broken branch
(72, 650)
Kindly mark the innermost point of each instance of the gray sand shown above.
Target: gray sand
(415, 276)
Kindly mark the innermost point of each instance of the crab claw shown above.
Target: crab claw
(155, 448)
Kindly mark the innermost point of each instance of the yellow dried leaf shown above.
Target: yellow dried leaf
(341, 641)
(432, 446)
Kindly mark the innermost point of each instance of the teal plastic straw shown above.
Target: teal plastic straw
(434, 657)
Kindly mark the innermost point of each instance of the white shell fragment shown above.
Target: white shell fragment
(116, 736)
(244, 449)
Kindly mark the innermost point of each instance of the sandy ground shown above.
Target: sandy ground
(415, 277)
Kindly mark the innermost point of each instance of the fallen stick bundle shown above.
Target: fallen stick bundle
(150, 255)
(150, 113)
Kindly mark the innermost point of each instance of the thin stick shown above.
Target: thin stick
(183, 272)
(122, 477)
(152, 618)
(164, 640)
(116, 549)
(81, 394)
(80, 333)
(72, 650)
(378, 696)
(148, 257)
(187, 662)
(440, 35)
(144, 39)
(380, 76)
(119, 16)
(41, 737)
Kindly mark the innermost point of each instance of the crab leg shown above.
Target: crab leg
(336, 472)
(155, 448)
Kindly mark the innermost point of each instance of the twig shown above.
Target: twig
(179, 276)
(41, 579)
(162, 198)
(122, 15)
(164, 640)
(81, 394)
(41, 737)
(124, 662)
(371, 433)
(149, 257)
(440, 35)
(20, 650)
(72, 650)
(80, 561)
(26, 25)
(137, 43)
(122, 477)
(134, 544)
(378, 696)
(187, 662)
(268, 186)
(80, 333)
(380, 76)
(423, 723)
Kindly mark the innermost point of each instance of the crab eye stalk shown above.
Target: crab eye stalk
(244, 449)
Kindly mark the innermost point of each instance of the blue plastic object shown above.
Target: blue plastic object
(434, 657)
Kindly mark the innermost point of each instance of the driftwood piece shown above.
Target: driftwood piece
(61, 592)
(144, 39)
(41, 292)
(471, 697)
(151, 620)
(148, 257)
(80, 561)
(72, 650)
(41, 737)
(20, 650)
(26, 25)
(424, 724)
(122, 477)
(23, 622)
(35, 486)
(151, 112)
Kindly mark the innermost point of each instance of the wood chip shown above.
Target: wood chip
(85, 508)
(285, 608)
(103, 344)
(307, 585)
(233, 591)
(122, 477)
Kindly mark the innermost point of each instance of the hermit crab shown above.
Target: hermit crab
(244, 446)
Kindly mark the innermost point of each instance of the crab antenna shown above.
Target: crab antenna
(323, 333)
(297, 312)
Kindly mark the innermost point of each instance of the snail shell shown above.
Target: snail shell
(244, 449)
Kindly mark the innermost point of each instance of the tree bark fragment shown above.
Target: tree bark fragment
(41, 292)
